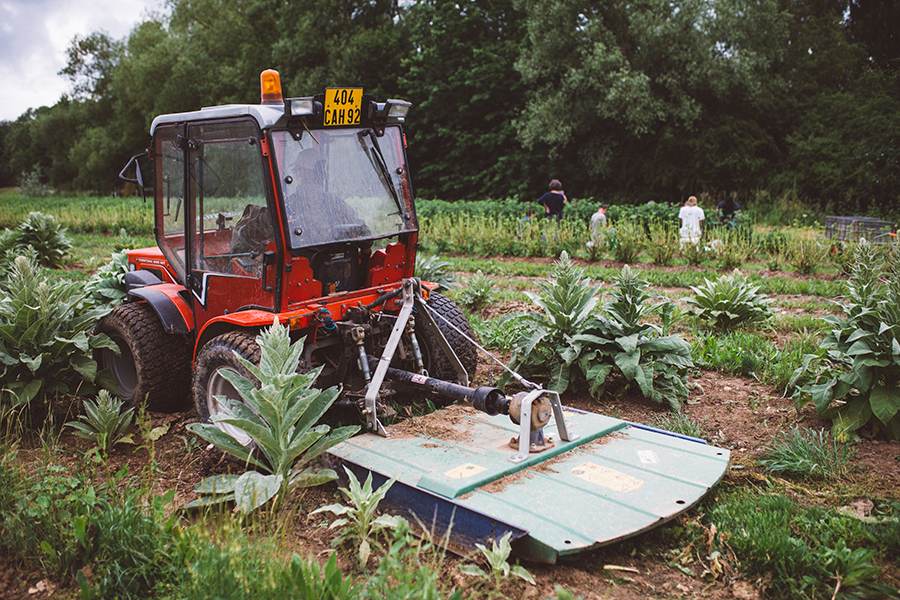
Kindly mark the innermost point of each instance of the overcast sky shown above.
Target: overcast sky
(34, 35)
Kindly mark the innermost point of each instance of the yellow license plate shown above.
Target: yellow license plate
(342, 106)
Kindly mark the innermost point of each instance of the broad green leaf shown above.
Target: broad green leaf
(644, 378)
(859, 347)
(821, 394)
(472, 570)
(337, 509)
(885, 401)
(157, 432)
(218, 484)
(309, 478)
(84, 365)
(33, 364)
(856, 335)
(327, 442)
(628, 364)
(365, 550)
(210, 500)
(522, 573)
(223, 441)
(559, 377)
(628, 343)
(253, 489)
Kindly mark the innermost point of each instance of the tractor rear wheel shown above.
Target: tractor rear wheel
(437, 364)
(152, 364)
(214, 358)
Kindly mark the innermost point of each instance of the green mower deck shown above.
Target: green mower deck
(454, 478)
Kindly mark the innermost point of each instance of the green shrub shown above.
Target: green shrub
(693, 254)
(84, 214)
(104, 423)
(227, 564)
(854, 377)
(544, 342)
(751, 354)
(664, 241)
(360, 522)
(435, 270)
(41, 232)
(106, 287)
(805, 255)
(567, 339)
(630, 240)
(478, 292)
(775, 241)
(729, 247)
(636, 347)
(729, 302)
(46, 346)
(31, 184)
(58, 522)
(494, 334)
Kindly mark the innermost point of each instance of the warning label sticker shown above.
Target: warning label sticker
(648, 457)
(463, 471)
(606, 477)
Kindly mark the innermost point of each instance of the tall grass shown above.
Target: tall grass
(83, 214)
(802, 552)
(500, 235)
(655, 277)
(116, 540)
(753, 354)
(802, 452)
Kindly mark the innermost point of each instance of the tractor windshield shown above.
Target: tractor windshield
(342, 185)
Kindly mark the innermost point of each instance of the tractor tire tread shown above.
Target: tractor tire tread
(464, 349)
(219, 352)
(162, 360)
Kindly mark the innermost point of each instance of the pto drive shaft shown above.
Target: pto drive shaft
(486, 399)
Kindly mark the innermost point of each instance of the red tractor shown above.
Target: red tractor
(300, 210)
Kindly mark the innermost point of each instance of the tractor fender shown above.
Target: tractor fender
(174, 313)
(252, 320)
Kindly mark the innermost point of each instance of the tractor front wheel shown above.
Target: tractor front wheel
(152, 364)
(213, 359)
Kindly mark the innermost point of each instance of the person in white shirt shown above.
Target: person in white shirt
(691, 217)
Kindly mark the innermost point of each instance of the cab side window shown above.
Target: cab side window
(233, 224)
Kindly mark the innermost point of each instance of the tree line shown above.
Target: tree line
(621, 100)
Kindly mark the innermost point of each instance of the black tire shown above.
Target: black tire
(153, 364)
(437, 364)
(215, 356)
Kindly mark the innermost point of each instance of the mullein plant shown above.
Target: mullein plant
(280, 418)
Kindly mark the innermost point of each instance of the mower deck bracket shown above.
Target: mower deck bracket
(525, 422)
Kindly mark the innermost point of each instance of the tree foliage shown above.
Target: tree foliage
(627, 101)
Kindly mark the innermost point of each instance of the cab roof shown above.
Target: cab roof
(268, 115)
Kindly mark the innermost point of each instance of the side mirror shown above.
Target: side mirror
(138, 179)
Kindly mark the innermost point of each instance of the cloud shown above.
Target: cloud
(34, 35)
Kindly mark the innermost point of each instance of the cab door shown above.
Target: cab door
(229, 225)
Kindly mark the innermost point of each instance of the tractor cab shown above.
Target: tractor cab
(269, 206)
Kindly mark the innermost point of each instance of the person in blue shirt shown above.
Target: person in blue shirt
(553, 201)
